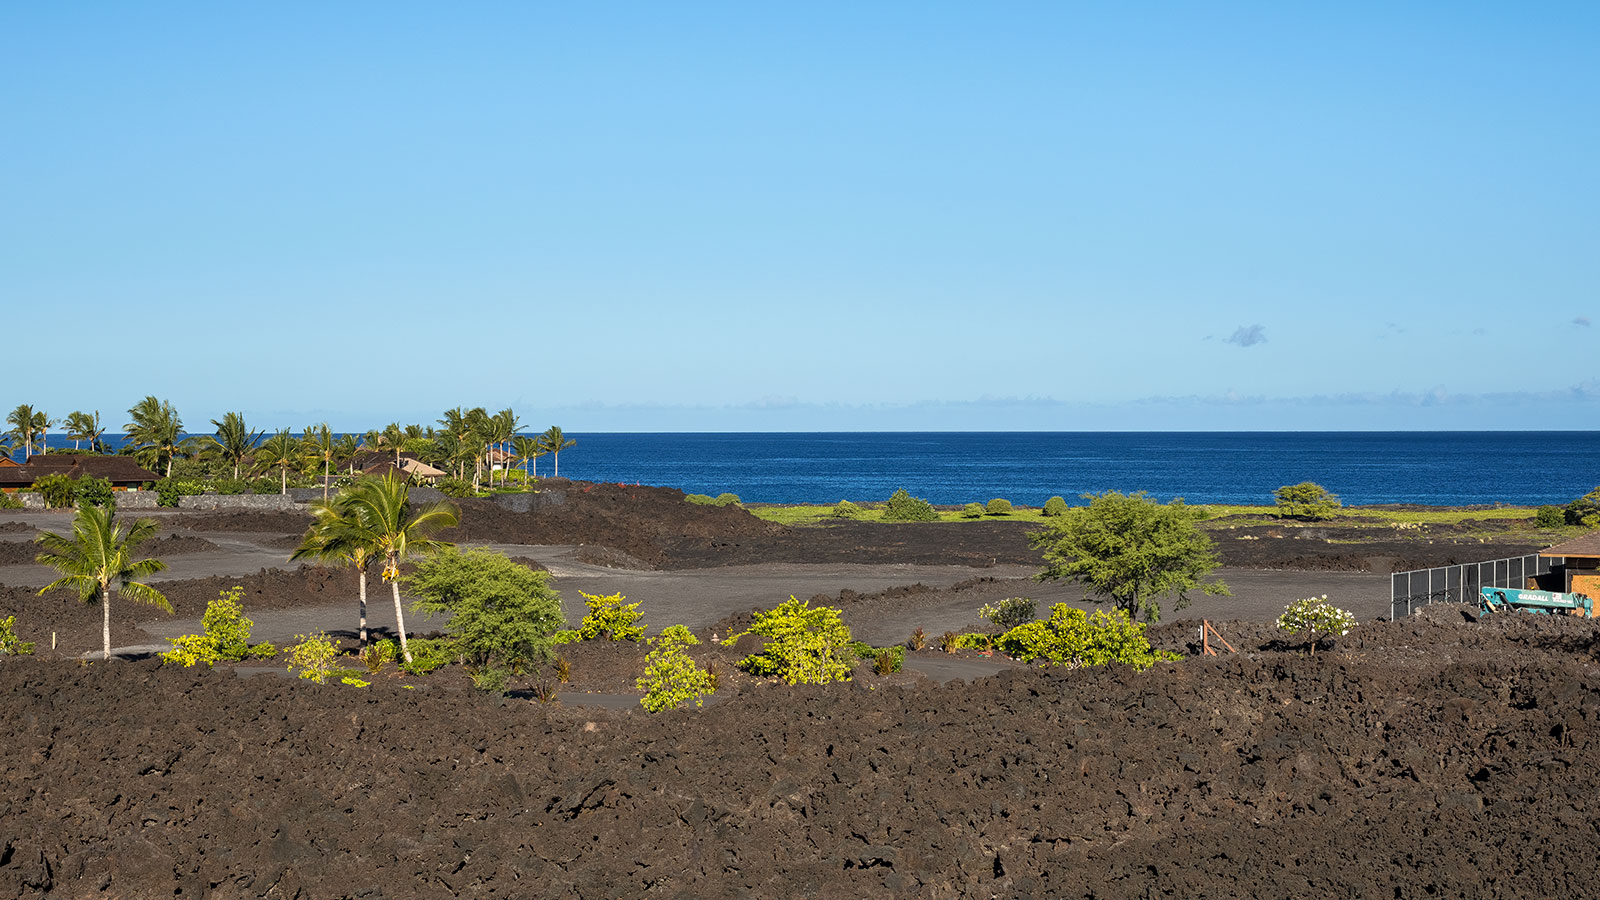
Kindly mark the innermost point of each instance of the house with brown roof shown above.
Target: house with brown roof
(123, 473)
(1580, 571)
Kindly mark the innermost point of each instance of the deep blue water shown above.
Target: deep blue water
(1440, 468)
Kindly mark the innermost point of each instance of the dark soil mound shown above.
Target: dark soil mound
(16, 528)
(24, 553)
(1383, 772)
(1324, 548)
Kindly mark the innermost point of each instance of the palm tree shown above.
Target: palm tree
(503, 427)
(346, 448)
(478, 437)
(82, 426)
(280, 451)
(26, 427)
(338, 536)
(382, 507)
(234, 440)
(554, 442)
(528, 449)
(154, 433)
(320, 444)
(98, 556)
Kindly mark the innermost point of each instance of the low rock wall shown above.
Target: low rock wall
(241, 501)
(524, 503)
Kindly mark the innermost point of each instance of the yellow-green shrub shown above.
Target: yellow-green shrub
(609, 616)
(10, 644)
(806, 645)
(671, 678)
(315, 657)
(1072, 637)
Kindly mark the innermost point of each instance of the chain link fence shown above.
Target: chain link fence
(1410, 591)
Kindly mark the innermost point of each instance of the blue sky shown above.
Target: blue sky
(926, 216)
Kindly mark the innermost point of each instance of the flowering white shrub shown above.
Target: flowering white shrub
(1315, 618)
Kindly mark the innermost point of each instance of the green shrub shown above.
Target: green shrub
(10, 643)
(902, 507)
(889, 660)
(226, 635)
(805, 645)
(972, 511)
(1314, 619)
(225, 624)
(94, 491)
(455, 487)
(9, 501)
(565, 636)
(265, 486)
(1071, 637)
(1306, 500)
(1550, 517)
(263, 650)
(999, 506)
(728, 499)
(427, 656)
(974, 640)
(701, 499)
(378, 654)
(169, 490)
(490, 679)
(671, 678)
(315, 657)
(58, 491)
(230, 486)
(611, 618)
(499, 613)
(1009, 613)
(1585, 510)
(848, 510)
(1055, 506)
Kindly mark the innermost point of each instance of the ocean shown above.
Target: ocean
(1435, 468)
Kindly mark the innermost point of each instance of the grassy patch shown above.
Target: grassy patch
(808, 514)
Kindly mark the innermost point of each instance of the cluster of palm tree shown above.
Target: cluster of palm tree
(370, 520)
(464, 441)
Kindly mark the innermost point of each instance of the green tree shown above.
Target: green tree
(99, 558)
(503, 427)
(1073, 637)
(498, 613)
(553, 442)
(281, 452)
(155, 433)
(1583, 511)
(320, 444)
(671, 677)
(82, 426)
(29, 427)
(234, 440)
(1306, 500)
(399, 530)
(902, 507)
(1130, 550)
(528, 451)
(345, 447)
(339, 536)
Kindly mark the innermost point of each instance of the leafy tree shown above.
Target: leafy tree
(99, 558)
(383, 507)
(1131, 550)
(1550, 516)
(1306, 500)
(806, 644)
(902, 507)
(319, 444)
(281, 452)
(1584, 511)
(1074, 638)
(554, 441)
(155, 434)
(345, 447)
(502, 428)
(1314, 619)
(498, 613)
(29, 427)
(1055, 506)
(972, 511)
(58, 491)
(528, 450)
(999, 506)
(848, 510)
(671, 677)
(611, 618)
(234, 439)
(339, 536)
(82, 426)
(1009, 613)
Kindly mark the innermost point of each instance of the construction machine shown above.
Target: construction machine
(1497, 599)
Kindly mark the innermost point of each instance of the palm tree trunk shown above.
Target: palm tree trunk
(400, 620)
(363, 574)
(556, 457)
(283, 479)
(105, 619)
(325, 464)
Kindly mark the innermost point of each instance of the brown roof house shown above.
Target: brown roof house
(121, 471)
(413, 469)
(1581, 572)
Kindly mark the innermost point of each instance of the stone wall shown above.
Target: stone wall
(524, 503)
(242, 501)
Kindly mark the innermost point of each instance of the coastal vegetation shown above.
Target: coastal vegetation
(99, 558)
(1306, 500)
